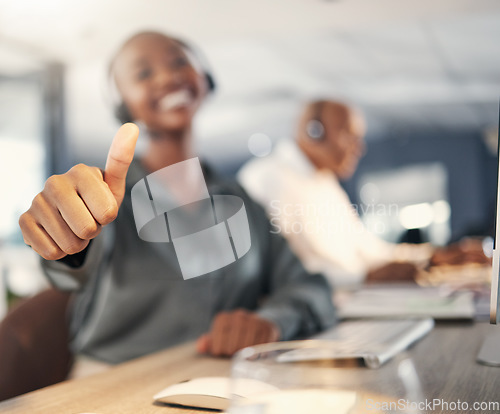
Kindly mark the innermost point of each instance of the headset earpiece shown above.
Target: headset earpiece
(314, 128)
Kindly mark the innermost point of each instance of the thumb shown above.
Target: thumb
(120, 156)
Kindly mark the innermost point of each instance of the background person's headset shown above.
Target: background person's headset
(195, 57)
(315, 129)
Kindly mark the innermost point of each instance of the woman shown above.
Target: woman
(132, 299)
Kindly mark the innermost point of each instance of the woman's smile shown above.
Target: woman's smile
(180, 98)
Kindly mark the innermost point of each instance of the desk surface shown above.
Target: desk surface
(444, 361)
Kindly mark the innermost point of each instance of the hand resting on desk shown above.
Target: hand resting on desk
(463, 252)
(466, 251)
(393, 272)
(232, 331)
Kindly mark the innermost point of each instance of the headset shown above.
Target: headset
(314, 128)
(198, 61)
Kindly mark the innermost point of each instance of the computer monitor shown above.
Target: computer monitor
(490, 351)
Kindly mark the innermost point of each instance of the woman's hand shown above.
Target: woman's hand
(73, 207)
(232, 331)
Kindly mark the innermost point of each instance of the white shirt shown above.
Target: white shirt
(311, 209)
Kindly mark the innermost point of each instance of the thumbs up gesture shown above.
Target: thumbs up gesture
(73, 207)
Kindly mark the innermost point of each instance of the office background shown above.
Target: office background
(426, 75)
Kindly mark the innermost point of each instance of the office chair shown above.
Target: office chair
(34, 344)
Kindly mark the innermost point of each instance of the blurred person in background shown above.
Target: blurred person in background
(82, 224)
(299, 186)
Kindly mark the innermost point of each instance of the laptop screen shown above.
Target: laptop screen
(495, 285)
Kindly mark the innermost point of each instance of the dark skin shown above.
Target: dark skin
(146, 69)
(162, 90)
(393, 272)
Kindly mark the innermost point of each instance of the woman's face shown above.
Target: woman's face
(158, 84)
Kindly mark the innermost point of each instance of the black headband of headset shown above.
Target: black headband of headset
(200, 57)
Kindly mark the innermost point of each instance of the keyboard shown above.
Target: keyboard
(371, 342)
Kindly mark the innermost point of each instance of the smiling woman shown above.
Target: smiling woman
(132, 298)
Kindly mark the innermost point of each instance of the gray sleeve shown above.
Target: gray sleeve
(68, 278)
(299, 303)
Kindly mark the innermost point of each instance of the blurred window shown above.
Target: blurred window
(408, 199)
(32, 146)
(23, 151)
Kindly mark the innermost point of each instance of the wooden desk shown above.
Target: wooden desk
(444, 361)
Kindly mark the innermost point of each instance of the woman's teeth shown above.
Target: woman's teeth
(175, 99)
